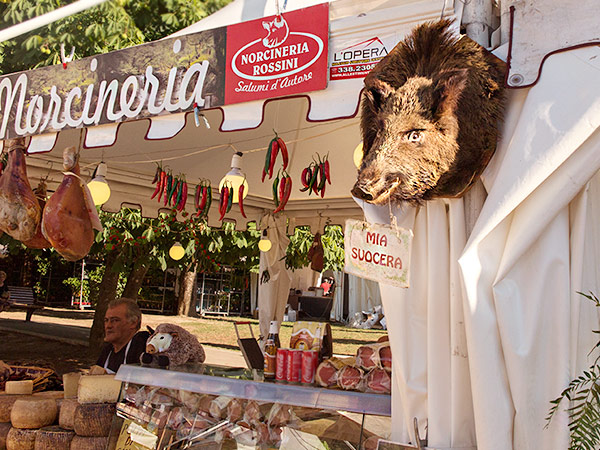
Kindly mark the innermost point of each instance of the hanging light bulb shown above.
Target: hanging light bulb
(264, 245)
(98, 187)
(176, 251)
(358, 155)
(235, 177)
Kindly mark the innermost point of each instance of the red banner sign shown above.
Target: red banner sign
(278, 55)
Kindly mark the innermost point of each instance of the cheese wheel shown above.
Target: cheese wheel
(19, 387)
(33, 412)
(54, 438)
(6, 403)
(4, 429)
(20, 439)
(71, 383)
(88, 443)
(98, 389)
(66, 415)
(93, 419)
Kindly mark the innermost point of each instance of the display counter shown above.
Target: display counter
(201, 406)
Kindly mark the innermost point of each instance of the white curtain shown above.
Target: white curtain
(425, 327)
(493, 329)
(362, 295)
(534, 246)
(273, 295)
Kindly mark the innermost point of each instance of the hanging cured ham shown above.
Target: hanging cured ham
(70, 215)
(20, 211)
(38, 240)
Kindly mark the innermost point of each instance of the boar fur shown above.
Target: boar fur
(430, 117)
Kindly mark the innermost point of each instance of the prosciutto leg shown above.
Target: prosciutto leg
(38, 240)
(69, 215)
(19, 209)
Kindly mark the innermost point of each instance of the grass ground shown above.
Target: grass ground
(220, 332)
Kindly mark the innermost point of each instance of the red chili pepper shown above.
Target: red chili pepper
(173, 197)
(159, 186)
(286, 194)
(264, 173)
(157, 174)
(166, 189)
(323, 179)
(241, 200)
(323, 191)
(327, 171)
(284, 152)
(224, 200)
(202, 204)
(184, 195)
(282, 186)
(197, 197)
(274, 150)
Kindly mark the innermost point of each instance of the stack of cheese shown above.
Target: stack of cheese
(84, 412)
(90, 415)
(25, 417)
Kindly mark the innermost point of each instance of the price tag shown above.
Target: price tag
(378, 252)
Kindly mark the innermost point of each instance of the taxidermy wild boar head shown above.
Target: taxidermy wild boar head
(430, 117)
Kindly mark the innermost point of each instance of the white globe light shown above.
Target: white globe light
(264, 245)
(176, 252)
(235, 178)
(98, 187)
(236, 181)
(358, 155)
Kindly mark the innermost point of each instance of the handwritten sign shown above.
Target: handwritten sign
(378, 252)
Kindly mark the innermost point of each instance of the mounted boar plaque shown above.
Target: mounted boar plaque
(430, 117)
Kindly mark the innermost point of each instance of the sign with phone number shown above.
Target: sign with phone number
(351, 71)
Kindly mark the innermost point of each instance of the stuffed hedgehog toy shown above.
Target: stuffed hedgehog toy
(172, 345)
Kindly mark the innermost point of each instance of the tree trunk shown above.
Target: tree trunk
(136, 278)
(106, 292)
(187, 292)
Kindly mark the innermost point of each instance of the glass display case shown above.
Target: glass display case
(210, 407)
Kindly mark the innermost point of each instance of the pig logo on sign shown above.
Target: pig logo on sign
(277, 32)
(430, 117)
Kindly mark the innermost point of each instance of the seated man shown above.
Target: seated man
(124, 343)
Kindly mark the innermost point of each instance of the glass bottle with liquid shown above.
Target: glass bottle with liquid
(270, 353)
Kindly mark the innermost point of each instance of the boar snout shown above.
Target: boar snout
(363, 191)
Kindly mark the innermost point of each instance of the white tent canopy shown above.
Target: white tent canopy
(320, 122)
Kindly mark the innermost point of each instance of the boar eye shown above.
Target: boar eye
(414, 136)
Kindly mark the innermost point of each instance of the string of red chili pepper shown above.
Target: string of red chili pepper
(285, 189)
(159, 179)
(223, 201)
(182, 195)
(276, 146)
(315, 177)
(203, 198)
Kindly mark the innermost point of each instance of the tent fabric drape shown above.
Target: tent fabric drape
(533, 247)
(493, 329)
(273, 295)
(430, 366)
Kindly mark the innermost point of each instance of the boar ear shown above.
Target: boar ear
(377, 91)
(448, 91)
